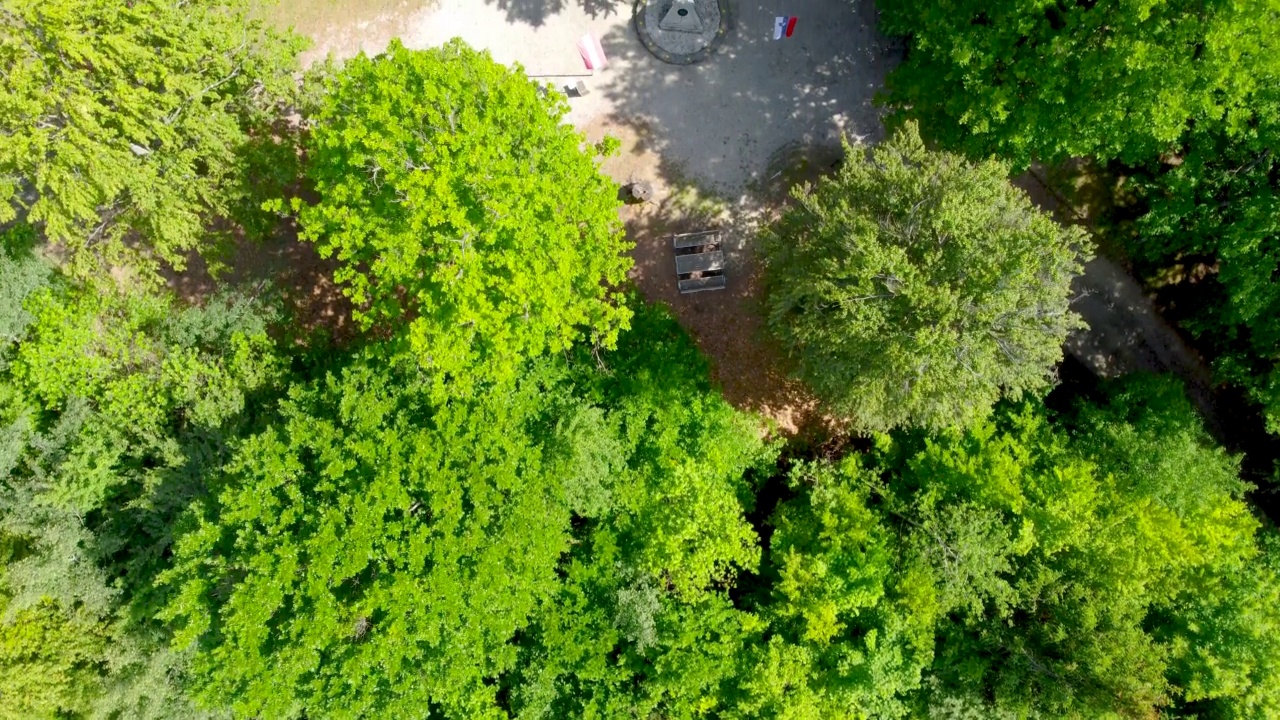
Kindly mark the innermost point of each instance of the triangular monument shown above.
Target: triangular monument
(682, 17)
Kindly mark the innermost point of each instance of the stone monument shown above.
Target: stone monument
(681, 31)
(682, 17)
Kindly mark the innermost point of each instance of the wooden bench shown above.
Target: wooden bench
(699, 263)
(688, 240)
(693, 285)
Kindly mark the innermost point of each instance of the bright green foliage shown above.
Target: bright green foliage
(1220, 625)
(375, 552)
(851, 626)
(617, 642)
(1130, 519)
(49, 664)
(469, 219)
(678, 503)
(113, 407)
(1225, 638)
(1050, 80)
(641, 625)
(371, 555)
(915, 288)
(132, 117)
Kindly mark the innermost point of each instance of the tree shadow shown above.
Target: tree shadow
(721, 120)
(259, 252)
(536, 12)
(287, 269)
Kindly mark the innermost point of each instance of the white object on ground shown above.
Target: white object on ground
(592, 53)
(783, 26)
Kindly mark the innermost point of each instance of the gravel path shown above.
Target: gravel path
(718, 121)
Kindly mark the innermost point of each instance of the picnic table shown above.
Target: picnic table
(699, 261)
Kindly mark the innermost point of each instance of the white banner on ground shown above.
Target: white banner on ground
(592, 52)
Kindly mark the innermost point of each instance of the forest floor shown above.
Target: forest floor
(721, 141)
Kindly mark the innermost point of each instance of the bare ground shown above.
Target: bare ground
(726, 324)
(294, 272)
(1126, 332)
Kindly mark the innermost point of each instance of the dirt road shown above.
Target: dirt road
(1126, 332)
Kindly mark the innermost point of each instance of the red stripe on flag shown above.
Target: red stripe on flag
(791, 25)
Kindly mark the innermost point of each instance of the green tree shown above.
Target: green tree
(466, 215)
(124, 118)
(558, 547)
(851, 617)
(50, 665)
(1224, 632)
(1051, 80)
(1221, 206)
(371, 555)
(914, 287)
(1091, 551)
(114, 407)
(642, 623)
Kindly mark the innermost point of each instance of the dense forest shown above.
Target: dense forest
(511, 489)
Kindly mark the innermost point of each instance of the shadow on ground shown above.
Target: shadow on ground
(726, 324)
(288, 268)
(536, 12)
(721, 120)
(1126, 332)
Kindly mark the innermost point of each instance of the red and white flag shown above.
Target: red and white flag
(592, 53)
(783, 27)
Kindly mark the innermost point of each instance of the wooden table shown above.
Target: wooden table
(699, 262)
(688, 240)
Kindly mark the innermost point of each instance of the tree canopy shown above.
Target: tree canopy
(115, 405)
(1058, 551)
(373, 552)
(914, 287)
(467, 216)
(518, 492)
(1220, 206)
(382, 600)
(127, 121)
(1052, 80)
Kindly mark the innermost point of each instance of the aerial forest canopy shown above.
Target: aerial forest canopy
(1179, 102)
(130, 126)
(511, 489)
(1052, 80)
(915, 288)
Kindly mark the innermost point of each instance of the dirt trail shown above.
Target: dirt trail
(1126, 332)
(726, 324)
